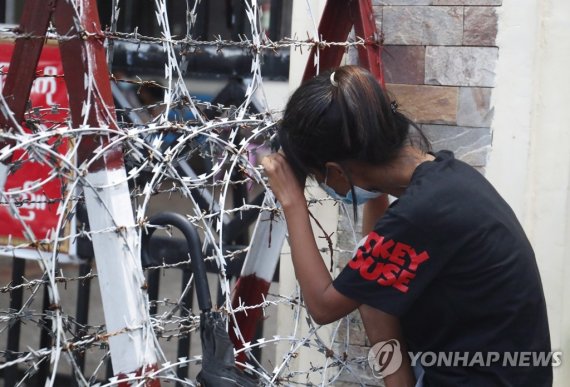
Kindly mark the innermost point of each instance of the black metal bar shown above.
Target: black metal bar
(239, 197)
(82, 314)
(84, 251)
(153, 283)
(3, 10)
(256, 351)
(239, 21)
(218, 367)
(275, 17)
(184, 342)
(198, 269)
(193, 240)
(220, 295)
(41, 376)
(16, 299)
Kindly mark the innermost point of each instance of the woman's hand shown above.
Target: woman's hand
(283, 181)
(324, 303)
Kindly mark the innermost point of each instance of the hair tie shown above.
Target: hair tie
(394, 106)
(334, 83)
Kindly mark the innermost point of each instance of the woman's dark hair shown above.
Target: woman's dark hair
(351, 118)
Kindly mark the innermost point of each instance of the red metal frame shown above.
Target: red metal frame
(22, 72)
(25, 58)
(91, 45)
(339, 16)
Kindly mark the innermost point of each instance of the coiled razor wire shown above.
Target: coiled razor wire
(227, 143)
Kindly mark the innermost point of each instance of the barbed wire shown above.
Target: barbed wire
(252, 45)
(223, 155)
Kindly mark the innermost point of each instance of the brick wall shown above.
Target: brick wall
(439, 64)
(440, 58)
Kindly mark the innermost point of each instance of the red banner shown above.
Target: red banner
(41, 192)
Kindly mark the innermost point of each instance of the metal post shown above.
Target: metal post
(184, 341)
(41, 376)
(16, 298)
(365, 27)
(22, 70)
(338, 18)
(106, 192)
(27, 50)
(256, 274)
(82, 312)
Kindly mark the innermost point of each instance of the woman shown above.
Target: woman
(447, 268)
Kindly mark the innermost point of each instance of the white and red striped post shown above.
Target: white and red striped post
(257, 273)
(117, 252)
(121, 278)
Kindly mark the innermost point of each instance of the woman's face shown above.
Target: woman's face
(335, 178)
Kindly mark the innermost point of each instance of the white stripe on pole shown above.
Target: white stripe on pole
(4, 169)
(121, 278)
(266, 243)
(256, 274)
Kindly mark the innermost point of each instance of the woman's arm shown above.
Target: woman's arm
(381, 326)
(324, 303)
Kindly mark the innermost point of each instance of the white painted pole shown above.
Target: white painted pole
(120, 271)
(257, 273)
(4, 169)
(114, 236)
(266, 243)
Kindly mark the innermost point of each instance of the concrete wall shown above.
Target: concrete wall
(530, 159)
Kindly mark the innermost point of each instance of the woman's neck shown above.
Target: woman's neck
(393, 178)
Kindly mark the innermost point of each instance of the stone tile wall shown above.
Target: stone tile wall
(439, 64)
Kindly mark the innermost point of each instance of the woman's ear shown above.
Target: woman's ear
(334, 170)
(337, 178)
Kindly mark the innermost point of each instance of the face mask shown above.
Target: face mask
(361, 195)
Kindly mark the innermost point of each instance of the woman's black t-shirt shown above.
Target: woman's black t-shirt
(450, 259)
